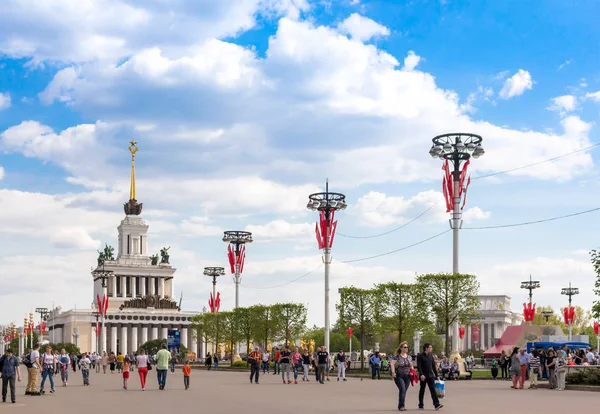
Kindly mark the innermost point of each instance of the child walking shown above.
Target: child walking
(126, 369)
(187, 373)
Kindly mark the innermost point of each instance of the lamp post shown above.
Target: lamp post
(530, 285)
(96, 314)
(547, 315)
(457, 149)
(570, 292)
(43, 317)
(327, 204)
(237, 256)
(31, 327)
(214, 272)
(102, 275)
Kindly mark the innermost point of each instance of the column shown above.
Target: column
(161, 287)
(123, 285)
(164, 332)
(142, 286)
(154, 333)
(103, 337)
(144, 334)
(134, 339)
(184, 337)
(151, 286)
(124, 338)
(134, 291)
(113, 338)
(113, 282)
(194, 346)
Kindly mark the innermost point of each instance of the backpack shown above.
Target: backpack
(27, 361)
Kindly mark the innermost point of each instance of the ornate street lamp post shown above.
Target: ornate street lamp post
(529, 309)
(547, 315)
(43, 317)
(237, 257)
(569, 312)
(327, 204)
(102, 275)
(214, 272)
(456, 149)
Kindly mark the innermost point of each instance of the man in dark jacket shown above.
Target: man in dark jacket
(428, 375)
(10, 372)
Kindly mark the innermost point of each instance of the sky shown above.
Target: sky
(241, 108)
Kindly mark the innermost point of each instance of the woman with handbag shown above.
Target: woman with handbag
(143, 365)
(400, 368)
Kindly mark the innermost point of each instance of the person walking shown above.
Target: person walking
(126, 368)
(104, 362)
(64, 361)
(296, 363)
(172, 362)
(208, 361)
(341, 365)
(265, 362)
(551, 368)
(400, 367)
(276, 362)
(10, 372)
(254, 359)
(84, 367)
(305, 365)
(32, 372)
(162, 365)
(375, 365)
(515, 367)
(48, 367)
(187, 373)
(534, 369)
(524, 362)
(142, 365)
(504, 365)
(427, 375)
(322, 356)
(284, 362)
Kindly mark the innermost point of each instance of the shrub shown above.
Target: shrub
(240, 364)
(584, 377)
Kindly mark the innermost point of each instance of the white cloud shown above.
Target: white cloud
(411, 61)
(362, 28)
(563, 104)
(516, 85)
(200, 226)
(281, 229)
(5, 101)
(1, 173)
(594, 96)
(563, 65)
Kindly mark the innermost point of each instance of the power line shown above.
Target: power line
(395, 229)
(535, 163)
(474, 178)
(286, 283)
(397, 250)
(533, 222)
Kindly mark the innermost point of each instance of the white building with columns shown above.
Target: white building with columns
(495, 316)
(141, 305)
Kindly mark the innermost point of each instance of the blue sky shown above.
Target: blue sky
(243, 108)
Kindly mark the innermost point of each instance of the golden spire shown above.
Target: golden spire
(133, 148)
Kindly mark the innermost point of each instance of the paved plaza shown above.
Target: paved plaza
(230, 392)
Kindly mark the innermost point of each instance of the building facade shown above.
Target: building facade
(495, 316)
(141, 306)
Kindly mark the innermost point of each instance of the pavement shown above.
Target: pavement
(217, 392)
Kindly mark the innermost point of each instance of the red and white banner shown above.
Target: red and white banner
(239, 260)
(322, 230)
(214, 303)
(102, 304)
(475, 334)
(596, 330)
(231, 258)
(448, 185)
(529, 311)
(461, 332)
(569, 315)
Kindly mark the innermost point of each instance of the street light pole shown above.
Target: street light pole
(530, 285)
(214, 272)
(237, 256)
(103, 275)
(570, 292)
(327, 204)
(456, 148)
(43, 317)
(547, 315)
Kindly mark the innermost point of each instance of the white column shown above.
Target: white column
(123, 280)
(113, 339)
(184, 337)
(144, 334)
(143, 286)
(163, 333)
(151, 286)
(154, 333)
(161, 287)
(134, 291)
(194, 346)
(113, 282)
(124, 338)
(134, 339)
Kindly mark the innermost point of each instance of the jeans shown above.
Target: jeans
(6, 381)
(64, 373)
(254, 371)
(305, 369)
(216, 363)
(285, 370)
(504, 370)
(162, 377)
(402, 382)
(321, 372)
(375, 371)
(276, 367)
(265, 367)
(47, 373)
(296, 371)
(341, 368)
(186, 382)
(85, 374)
(430, 383)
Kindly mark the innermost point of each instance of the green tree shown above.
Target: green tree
(450, 297)
(231, 330)
(263, 324)
(212, 325)
(595, 257)
(358, 309)
(289, 320)
(153, 346)
(243, 318)
(554, 320)
(401, 309)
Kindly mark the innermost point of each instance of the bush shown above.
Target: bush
(153, 346)
(584, 377)
(240, 364)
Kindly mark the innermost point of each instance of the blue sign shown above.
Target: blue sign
(173, 340)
